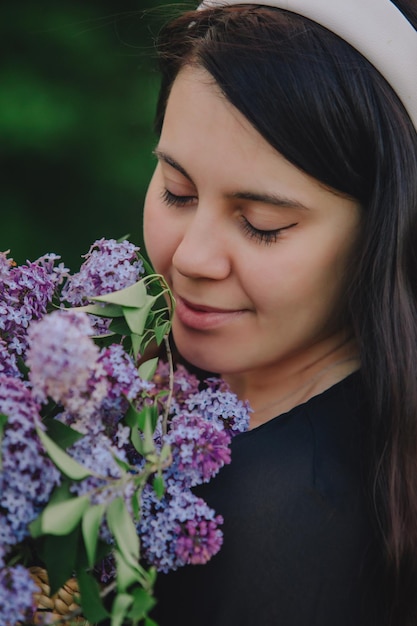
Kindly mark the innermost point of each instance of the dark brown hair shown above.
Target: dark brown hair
(329, 112)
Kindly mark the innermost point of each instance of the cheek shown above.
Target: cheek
(298, 277)
(156, 230)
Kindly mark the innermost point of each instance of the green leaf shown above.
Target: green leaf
(140, 318)
(161, 331)
(143, 602)
(120, 607)
(60, 494)
(59, 556)
(135, 503)
(147, 418)
(150, 622)
(159, 486)
(132, 296)
(144, 421)
(110, 310)
(90, 526)
(149, 269)
(136, 344)
(60, 433)
(119, 326)
(132, 420)
(126, 574)
(62, 460)
(91, 602)
(62, 518)
(147, 369)
(124, 531)
(132, 416)
(165, 453)
(3, 421)
(136, 319)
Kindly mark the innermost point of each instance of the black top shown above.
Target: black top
(299, 547)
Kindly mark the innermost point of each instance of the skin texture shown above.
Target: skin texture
(260, 308)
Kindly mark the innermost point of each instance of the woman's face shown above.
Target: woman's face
(255, 251)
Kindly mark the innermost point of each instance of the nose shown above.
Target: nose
(203, 250)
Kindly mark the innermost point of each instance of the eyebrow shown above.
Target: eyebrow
(170, 161)
(265, 198)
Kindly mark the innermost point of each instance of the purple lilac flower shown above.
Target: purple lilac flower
(5, 265)
(96, 452)
(109, 266)
(57, 273)
(25, 293)
(185, 384)
(199, 449)
(178, 530)
(17, 602)
(218, 402)
(198, 538)
(28, 476)
(106, 570)
(63, 362)
(8, 362)
(124, 384)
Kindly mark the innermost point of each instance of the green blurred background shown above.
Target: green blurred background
(78, 87)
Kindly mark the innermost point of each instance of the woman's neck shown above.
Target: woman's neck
(289, 383)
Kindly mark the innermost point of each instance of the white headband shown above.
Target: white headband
(376, 28)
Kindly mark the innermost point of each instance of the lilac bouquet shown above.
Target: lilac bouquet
(100, 446)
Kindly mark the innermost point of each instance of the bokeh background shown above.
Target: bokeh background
(78, 87)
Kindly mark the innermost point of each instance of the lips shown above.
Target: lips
(201, 317)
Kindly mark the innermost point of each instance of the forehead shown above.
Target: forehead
(197, 103)
(204, 132)
(219, 149)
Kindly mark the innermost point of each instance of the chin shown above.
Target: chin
(197, 357)
(209, 364)
(200, 361)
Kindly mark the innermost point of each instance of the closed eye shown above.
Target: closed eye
(267, 237)
(173, 200)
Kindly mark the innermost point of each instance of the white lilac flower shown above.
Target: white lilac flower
(63, 362)
(109, 266)
(199, 449)
(25, 293)
(17, 602)
(28, 476)
(181, 529)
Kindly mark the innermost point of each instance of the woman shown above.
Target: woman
(283, 212)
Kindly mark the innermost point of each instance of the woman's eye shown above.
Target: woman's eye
(172, 200)
(263, 236)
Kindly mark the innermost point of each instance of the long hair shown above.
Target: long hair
(330, 113)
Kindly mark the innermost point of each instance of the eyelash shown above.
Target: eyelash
(266, 237)
(172, 200)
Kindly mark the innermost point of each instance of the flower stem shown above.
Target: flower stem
(171, 385)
